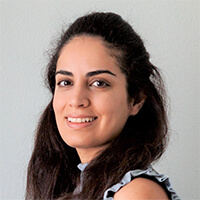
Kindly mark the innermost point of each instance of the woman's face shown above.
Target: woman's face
(90, 100)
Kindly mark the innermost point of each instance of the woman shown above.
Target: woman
(107, 116)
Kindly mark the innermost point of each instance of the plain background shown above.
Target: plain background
(171, 32)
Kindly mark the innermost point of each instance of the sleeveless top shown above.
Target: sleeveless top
(148, 173)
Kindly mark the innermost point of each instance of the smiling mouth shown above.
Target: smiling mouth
(81, 120)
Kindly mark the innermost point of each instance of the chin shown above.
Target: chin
(77, 144)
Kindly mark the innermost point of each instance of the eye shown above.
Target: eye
(100, 84)
(64, 83)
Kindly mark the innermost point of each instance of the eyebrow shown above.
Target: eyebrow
(89, 74)
(93, 73)
(64, 73)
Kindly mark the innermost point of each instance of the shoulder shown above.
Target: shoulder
(141, 188)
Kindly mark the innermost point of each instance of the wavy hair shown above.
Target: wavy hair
(52, 170)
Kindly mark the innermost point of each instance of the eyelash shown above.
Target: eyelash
(69, 83)
(105, 84)
(64, 81)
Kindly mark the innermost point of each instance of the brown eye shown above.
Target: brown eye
(65, 83)
(100, 84)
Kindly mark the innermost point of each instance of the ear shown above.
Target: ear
(135, 107)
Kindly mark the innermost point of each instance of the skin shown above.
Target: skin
(90, 84)
(143, 189)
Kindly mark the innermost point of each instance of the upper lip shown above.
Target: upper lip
(80, 116)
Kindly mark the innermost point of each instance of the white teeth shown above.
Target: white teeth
(80, 120)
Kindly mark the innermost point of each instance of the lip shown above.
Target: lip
(81, 125)
(79, 116)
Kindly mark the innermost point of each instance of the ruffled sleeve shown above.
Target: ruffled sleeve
(148, 173)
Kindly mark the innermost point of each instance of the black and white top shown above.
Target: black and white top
(149, 173)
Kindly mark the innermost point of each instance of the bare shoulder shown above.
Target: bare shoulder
(141, 188)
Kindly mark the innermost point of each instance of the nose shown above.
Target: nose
(79, 98)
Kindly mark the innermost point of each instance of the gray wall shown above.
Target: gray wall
(170, 30)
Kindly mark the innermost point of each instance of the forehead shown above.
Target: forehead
(87, 51)
(85, 40)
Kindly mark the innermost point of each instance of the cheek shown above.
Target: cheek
(58, 107)
(113, 104)
(58, 103)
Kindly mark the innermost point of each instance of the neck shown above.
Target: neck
(88, 154)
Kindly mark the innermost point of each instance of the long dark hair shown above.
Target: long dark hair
(52, 170)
